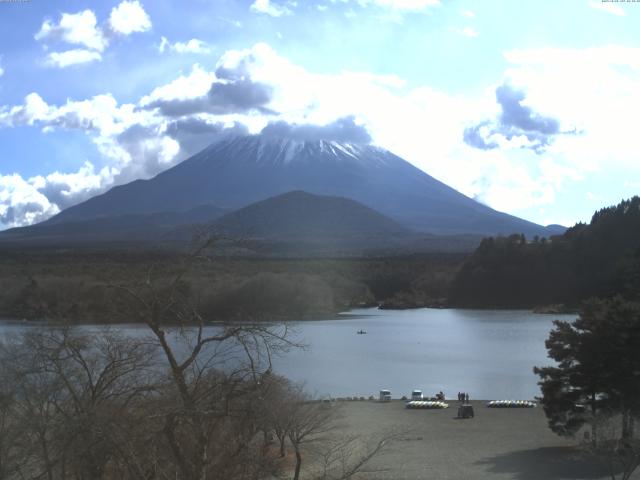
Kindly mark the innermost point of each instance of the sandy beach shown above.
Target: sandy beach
(497, 444)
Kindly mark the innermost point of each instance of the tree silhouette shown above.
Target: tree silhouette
(598, 368)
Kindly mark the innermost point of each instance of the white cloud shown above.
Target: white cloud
(74, 28)
(609, 54)
(21, 203)
(185, 87)
(28, 201)
(99, 116)
(468, 13)
(508, 183)
(607, 7)
(269, 8)
(133, 143)
(82, 29)
(129, 17)
(576, 86)
(192, 46)
(1, 69)
(66, 189)
(34, 109)
(72, 57)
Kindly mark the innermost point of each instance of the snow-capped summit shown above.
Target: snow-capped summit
(277, 150)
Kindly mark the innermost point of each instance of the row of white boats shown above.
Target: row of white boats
(511, 404)
(417, 401)
(429, 404)
(424, 404)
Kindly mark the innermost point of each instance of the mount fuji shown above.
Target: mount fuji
(240, 170)
(341, 194)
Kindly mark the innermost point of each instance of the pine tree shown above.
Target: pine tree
(598, 367)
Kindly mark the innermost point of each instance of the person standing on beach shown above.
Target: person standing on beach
(466, 398)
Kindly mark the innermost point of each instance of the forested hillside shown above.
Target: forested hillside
(82, 285)
(601, 258)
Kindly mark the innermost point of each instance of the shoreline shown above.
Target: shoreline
(339, 315)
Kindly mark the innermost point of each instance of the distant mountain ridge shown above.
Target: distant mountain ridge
(238, 171)
(127, 228)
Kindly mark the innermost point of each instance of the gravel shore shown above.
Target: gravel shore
(497, 444)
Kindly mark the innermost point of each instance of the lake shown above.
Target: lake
(489, 354)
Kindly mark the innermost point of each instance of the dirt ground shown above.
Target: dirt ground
(497, 444)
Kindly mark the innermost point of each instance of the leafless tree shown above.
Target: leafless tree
(74, 393)
(277, 398)
(10, 451)
(213, 371)
(342, 457)
(312, 428)
(310, 422)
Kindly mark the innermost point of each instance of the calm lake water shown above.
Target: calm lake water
(488, 353)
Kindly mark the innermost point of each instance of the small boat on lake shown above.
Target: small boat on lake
(361, 332)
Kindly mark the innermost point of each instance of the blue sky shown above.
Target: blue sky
(530, 107)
